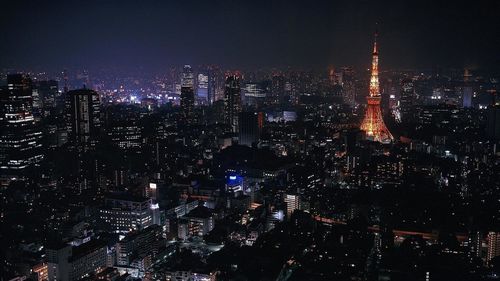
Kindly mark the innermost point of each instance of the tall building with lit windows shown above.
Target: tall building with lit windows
(232, 102)
(373, 124)
(292, 203)
(187, 95)
(407, 100)
(123, 213)
(202, 89)
(67, 263)
(83, 118)
(493, 240)
(467, 91)
(20, 140)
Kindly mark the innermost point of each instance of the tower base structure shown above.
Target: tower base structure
(373, 124)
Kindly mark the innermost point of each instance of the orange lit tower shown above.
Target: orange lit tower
(373, 125)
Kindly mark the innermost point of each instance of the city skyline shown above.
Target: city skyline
(249, 141)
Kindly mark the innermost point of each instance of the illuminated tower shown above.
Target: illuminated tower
(373, 125)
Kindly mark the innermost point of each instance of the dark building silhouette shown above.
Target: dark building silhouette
(407, 100)
(83, 118)
(20, 146)
(249, 128)
(232, 98)
(49, 96)
(187, 95)
(493, 119)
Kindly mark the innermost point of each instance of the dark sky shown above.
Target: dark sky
(247, 34)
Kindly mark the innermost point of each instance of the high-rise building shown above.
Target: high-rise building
(373, 124)
(215, 84)
(67, 263)
(49, 94)
(348, 86)
(122, 127)
(20, 146)
(493, 122)
(143, 242)
(187, 95)
(407, 100)
(202, 89)
(249, 128)
(292, 203)
(467, 91)
(493, 240)
(232, 105)
(83, 118)
(253, 94)
(474, 243)
(277, 89)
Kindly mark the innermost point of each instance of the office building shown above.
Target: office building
(48, 92)
(348, 86)
(139, 243)
(123, 213)
(200, 221)
(41, 271)
(67, 263)
(83, 118)
(253, 94)
(202, 89)
(232, 105)
(292, 203)
(20, 140)
(249, 128)
(493, 240)
(467, 91)
(215, 84)
(493, 122)
(187, 95)
(407, 100)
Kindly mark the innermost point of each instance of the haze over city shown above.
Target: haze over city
(247, 34)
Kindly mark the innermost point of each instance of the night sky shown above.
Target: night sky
(51, 35)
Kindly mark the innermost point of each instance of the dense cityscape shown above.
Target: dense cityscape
(203, 172)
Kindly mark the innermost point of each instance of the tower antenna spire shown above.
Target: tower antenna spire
(375, 36)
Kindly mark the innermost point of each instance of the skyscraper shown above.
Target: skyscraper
(493, 122)
(277, 89)
(215, 84)
(348, 86)
(493, 240)
(232, 105)
(406, 100)
(20, 146)
(83, 118)
(187, 95)
(249, 128)
(467, 91)
(292, 203)
(373, 124)
(253, 94)
(202, 89)
(49, 93)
